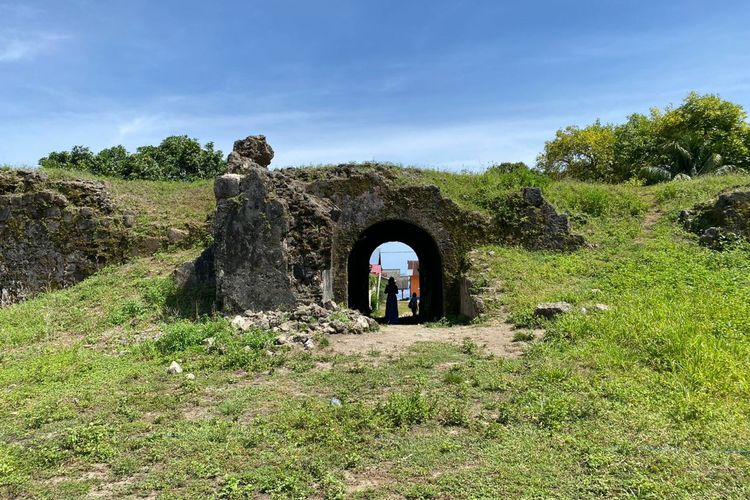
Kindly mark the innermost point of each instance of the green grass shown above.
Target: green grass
(157, 204)
(650, 399)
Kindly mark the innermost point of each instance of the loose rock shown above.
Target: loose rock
(298, 326)
(549, 310)
(255, 148)
(176, 236)
(361, 325)
(282, 340)
(174, 368)
(241, 323)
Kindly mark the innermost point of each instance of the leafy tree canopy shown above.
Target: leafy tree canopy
(584, 153)
(704, 134)
(177, 158)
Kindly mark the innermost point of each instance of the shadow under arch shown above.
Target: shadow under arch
(430, 266)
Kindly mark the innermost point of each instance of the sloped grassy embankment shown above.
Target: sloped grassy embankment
(649, 399)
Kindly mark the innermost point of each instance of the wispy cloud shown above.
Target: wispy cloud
(15, 49)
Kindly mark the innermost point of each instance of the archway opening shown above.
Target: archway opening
(430, 293)
(395, 266)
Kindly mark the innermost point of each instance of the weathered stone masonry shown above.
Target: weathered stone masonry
(282, 238)
(54, 233)
(294, 236)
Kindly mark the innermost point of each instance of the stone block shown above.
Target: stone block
(227, 186)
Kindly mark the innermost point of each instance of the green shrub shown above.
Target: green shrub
(11, 474)
(177, 158)
(469, 347)
(421, 492)
(454, 413)
(483, 191)
(181, 335)
(495, 184)
(523, 336)
(453, 376)
(92, 441)
(597, 200)
(402, 410)
(130, 309)
(555, 410)
(246, 350)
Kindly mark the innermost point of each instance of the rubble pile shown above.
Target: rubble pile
(302, 324)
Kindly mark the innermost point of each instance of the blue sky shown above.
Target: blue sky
(394, 255)
(451, 84)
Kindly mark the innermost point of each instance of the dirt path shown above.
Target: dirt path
(496, 339)
(652, 216)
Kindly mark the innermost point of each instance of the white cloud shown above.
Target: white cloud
(27, 47)
(471, 145)
(137, 125)
(298, 138)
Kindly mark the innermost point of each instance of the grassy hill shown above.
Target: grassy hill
(158, 205)
(650, 399)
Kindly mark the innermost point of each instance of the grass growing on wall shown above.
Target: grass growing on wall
(155, 203)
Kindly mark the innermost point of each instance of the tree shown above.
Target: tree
(583, 153)
(175, 158)
(507, 167)
(709, 124)
(637, 145)
(109, 161)
(687, 158)
(78, 158)
(702, 135)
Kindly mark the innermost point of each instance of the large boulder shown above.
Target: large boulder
(248, 153)
(725, 220)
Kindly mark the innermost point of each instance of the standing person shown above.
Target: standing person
(414, 304)
(391, 302)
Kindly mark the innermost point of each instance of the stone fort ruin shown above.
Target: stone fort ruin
(305, 235)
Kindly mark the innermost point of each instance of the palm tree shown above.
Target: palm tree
(689, 158)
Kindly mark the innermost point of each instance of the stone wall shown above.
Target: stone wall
(471, 302)
(281, 238)
(527, 219)
(287, 236)
(54, 232)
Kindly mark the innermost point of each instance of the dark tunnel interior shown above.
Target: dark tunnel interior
(430, 266)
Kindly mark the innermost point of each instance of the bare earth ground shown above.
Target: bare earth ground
(496, 339)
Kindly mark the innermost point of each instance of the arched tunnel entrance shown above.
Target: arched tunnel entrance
(430, 266)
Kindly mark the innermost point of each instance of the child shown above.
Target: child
(413, 304)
